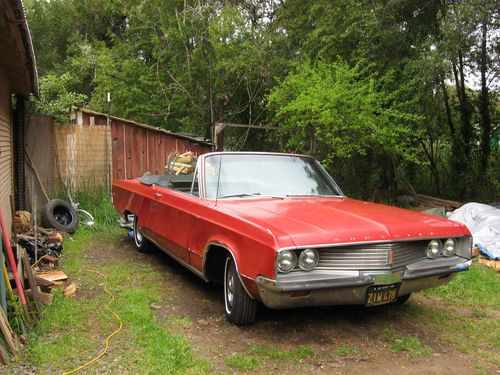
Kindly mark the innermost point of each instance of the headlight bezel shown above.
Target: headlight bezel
(303, 254)
(279, 259)
(446, 247)
(434, 248)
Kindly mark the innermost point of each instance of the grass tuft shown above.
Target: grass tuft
(343, 351)
(242, 362)
(295, 355)
(406, 343)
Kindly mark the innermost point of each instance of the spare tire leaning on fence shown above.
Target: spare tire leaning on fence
(60, 215)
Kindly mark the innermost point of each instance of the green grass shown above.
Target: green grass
(481, 329)
(295, 355)
(478, 286)
(180, 321)
(97, 201)
(343, 351)
(242, 362)
(406, 343)
(71, 331)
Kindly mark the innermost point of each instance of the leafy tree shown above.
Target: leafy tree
(54, 99)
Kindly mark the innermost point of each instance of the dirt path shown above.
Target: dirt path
(333, 340)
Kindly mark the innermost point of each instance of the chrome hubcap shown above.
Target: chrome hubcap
(137, 234)
(228, 286)
(230, 289)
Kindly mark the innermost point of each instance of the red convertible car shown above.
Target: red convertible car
(276, 229)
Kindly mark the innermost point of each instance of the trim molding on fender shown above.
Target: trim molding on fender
(177, 259)
(235, 263)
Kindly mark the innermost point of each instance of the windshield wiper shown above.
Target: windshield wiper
(250, 195)
(239, 195)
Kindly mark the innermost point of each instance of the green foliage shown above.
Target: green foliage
(56, 99)
(341, 109)
(362, 83)
(97, 201)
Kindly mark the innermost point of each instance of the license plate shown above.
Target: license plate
(381, 294)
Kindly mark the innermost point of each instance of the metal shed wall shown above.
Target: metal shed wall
(6, 174)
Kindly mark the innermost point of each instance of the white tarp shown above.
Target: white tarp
(483, 222)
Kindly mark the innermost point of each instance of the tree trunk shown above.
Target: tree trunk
(484, 104)
(429, 152)
(464, 105)
(461, 144)
(446, 100)
(402, 181)
(220, 137)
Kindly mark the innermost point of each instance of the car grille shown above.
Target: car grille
(372, 257)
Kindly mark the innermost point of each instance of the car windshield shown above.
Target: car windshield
(249, 175)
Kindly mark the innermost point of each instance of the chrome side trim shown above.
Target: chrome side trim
(235, 263)
(321, 246)
(177, 259)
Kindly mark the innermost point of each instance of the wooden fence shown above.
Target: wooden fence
(82, 156)
(94, 150)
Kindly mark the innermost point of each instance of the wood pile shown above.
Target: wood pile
(24, 287)
(22, 222)
(182, 163)
(438, 202)
(495, 264)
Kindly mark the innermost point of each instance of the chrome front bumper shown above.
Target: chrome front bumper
(325, 287)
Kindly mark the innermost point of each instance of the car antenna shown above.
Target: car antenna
(218, 180)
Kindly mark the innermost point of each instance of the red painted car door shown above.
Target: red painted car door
(173, 217)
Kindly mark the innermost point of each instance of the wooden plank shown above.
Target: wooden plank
(42, 282)
(70, 290)
(4, 351)
(46, 298)
(439, 201)
(8, 334)
(53, 276)
(28, 273)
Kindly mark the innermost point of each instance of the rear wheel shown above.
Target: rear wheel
(141, 243)
(240, 308)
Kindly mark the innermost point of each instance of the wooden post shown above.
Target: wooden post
(124, 152)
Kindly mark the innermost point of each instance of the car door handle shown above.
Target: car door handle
(158, 195)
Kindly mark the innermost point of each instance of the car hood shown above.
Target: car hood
(331, 220)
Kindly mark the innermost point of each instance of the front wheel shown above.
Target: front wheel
(141, 243)
(402, 299)
(240, 308)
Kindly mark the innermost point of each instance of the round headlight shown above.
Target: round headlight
(449, 247)
(308, 259)
(286, 261)
(434, 249)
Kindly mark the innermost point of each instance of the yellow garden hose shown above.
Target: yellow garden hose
(7, 281)
(106, 341)
(34, 264)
